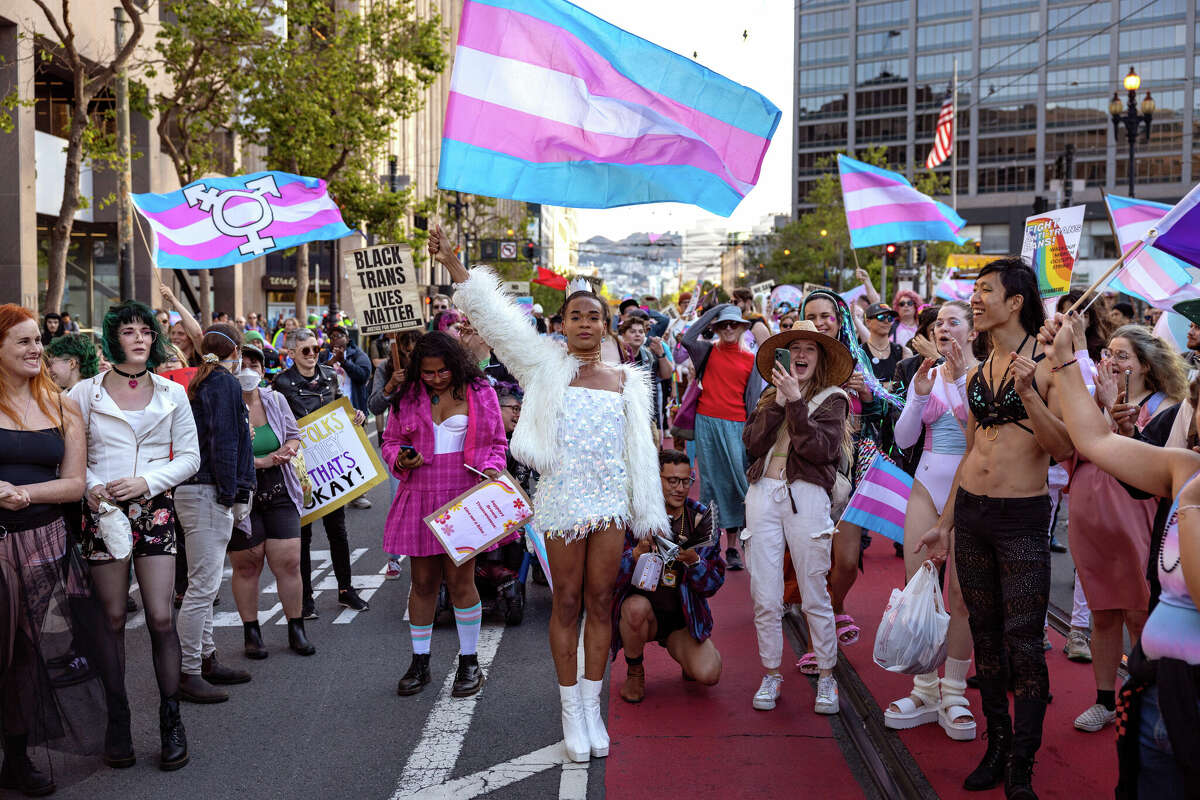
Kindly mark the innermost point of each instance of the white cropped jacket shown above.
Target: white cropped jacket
(166, 453)
(545, 370)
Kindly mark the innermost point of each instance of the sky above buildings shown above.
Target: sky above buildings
(762, 60)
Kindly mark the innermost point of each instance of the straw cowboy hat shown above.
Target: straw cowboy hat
(839, 362)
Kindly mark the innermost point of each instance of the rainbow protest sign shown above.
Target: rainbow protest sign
(1049, 247)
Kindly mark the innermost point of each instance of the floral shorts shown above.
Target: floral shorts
(152, 522)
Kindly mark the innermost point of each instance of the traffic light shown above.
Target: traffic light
(922, 253)
(889, 255)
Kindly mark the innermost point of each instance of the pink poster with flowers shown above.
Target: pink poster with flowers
(480, 517)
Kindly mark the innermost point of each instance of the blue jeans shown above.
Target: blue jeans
(1159, 777)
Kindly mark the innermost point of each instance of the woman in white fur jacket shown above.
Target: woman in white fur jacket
(586, 427)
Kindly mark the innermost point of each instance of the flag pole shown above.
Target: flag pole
(954, 143)
(1099, 282)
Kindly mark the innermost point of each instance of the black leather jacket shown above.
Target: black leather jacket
(306, 395)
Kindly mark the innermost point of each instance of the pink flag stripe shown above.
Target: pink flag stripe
(1144, 275)
(183, 215)
(889, 482)
(521, 37)
(852, 181)
(1128, 215)
(224, 244)
(879, 509)
(541, 140)
(897, 212)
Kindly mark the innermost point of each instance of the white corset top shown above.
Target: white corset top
(450, 434)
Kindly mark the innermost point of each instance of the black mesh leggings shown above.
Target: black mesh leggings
(1002, 553)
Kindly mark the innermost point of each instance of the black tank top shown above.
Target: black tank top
(30, 457)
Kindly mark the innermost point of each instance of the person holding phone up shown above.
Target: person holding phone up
(444, 429)
(796, 436)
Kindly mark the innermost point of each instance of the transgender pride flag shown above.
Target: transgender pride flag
(217, 222)
(882, 207)
(1157, 277)
(551, 104)
(881, 499)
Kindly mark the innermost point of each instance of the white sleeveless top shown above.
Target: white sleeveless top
(450, 434)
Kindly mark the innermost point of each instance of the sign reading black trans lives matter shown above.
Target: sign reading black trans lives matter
(383, 285)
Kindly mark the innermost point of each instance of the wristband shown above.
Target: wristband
(1064, 365)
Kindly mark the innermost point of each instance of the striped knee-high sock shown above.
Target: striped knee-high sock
(421, 634)
(467, 621)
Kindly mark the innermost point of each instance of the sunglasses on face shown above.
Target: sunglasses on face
(721, 326)
(905, 303)
(307, 351)
(884, 317)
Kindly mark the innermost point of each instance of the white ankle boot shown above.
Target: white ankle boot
(596, 732)
(575, 735)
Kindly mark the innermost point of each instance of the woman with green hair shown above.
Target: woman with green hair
(141, 441)
(70, 359)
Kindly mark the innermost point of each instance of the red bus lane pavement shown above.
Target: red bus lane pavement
(707, 741)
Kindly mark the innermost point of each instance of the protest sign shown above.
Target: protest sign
(517, 288)
(384, 288)
(480, 517)
(340, 462)
(1049, 247)
(762, 288)
(183, 376)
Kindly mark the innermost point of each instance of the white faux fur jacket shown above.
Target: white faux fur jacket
(545, 370)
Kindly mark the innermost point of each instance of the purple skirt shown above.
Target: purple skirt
(431, 486)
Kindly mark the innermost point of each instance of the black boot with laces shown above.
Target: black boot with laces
(990, 772)
(1018, 779)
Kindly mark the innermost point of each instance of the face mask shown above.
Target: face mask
(249, 379)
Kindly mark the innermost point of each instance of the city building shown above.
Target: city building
(1036, 77)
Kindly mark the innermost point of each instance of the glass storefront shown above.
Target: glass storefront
(91, 286)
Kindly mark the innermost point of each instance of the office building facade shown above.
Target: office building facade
(1035, 77)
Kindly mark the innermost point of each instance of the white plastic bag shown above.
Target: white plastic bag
(114, 531)
(912, 636)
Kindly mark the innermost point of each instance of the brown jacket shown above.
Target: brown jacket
(815, 447)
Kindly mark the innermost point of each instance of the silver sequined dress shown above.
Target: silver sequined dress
(586, 492)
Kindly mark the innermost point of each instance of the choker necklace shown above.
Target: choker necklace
(133, 378)
(587, 358)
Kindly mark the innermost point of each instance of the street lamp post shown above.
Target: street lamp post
(1131, 119)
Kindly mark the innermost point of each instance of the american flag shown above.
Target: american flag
(943, 137)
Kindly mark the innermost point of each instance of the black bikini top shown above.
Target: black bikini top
(994, 406)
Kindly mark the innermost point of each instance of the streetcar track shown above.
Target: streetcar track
(891, 769)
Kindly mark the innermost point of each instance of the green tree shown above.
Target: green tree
(86, 133)
(811, 248)
(202, 48)
(323, 101)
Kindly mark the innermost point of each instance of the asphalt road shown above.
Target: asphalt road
(331, 725)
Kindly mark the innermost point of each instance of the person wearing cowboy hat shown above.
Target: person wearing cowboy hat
(727, 396)
(796, 437)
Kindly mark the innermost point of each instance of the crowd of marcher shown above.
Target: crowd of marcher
(155, 447)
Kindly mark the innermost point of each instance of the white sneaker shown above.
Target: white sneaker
(768, 692)
(393, 570)
(1095, 718)
(827, 696)
(1078, 647)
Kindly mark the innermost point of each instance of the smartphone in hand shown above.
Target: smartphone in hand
(784, 359)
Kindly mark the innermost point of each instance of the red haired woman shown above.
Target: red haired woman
(42, 578)
(907, 305)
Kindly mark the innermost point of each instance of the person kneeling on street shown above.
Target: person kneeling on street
(675, 614)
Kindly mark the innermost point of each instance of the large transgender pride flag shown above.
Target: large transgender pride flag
(551, 104)
(1157, 277)
(217, 222)
(883, 207)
